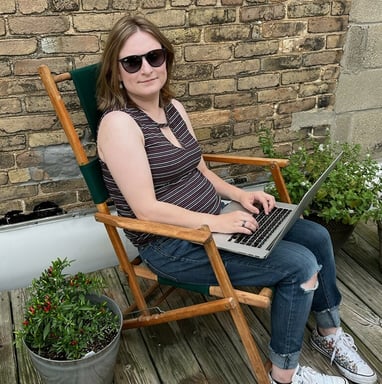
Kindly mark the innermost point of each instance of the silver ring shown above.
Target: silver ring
(244, 222)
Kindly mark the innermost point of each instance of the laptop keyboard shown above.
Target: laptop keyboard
(267, 225)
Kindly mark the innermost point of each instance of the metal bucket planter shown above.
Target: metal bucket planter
(97, 368)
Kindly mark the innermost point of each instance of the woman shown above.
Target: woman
(154, 171)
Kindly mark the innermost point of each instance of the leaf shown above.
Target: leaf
(46, 331)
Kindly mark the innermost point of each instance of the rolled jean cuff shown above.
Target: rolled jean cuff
(284, 361)
(330, 318)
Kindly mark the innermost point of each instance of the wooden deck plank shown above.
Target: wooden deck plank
(26, 372)
(219, 359)
(134, 364)
(7, 357)
(360, 247)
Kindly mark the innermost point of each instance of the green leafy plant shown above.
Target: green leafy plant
(61, 322)
(353, 190)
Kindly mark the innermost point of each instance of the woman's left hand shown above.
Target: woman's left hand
(252, 200)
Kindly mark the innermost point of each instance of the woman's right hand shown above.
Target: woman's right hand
(235, 222)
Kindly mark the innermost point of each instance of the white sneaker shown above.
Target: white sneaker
(341, 350)
(306, 375)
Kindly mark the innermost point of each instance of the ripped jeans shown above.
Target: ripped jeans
(304, 251)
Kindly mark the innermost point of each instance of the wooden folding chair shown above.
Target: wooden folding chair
(227, 298)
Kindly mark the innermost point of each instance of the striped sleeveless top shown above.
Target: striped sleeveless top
(174, 170)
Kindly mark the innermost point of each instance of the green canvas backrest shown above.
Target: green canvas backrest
(85, 81)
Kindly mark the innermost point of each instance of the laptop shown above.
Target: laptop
(272, 227)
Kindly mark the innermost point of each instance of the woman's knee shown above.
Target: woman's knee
(311, 284)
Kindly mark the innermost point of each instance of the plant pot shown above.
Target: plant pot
(339, 232)
(95, 369)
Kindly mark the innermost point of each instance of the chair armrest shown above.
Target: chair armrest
(260, 161)
(201, 235)
(275, 166)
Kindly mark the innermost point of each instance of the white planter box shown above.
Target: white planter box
(28, 248)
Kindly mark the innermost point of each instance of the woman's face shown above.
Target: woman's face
(148, 80)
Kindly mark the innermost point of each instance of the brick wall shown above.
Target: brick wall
(241, 66)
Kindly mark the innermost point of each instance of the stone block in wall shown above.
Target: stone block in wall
(7, 160)
(28, 7)
(18, 192)
(70, 44)
(10, 143)
(327, 24)
(232, 100)
(311, 119)
(183, 35)
(341, 7)
(2, 28)
(193, 71)
(261, 13)
(24, 67)
(216, 15)
(7, 6)
(363, 127)
(207, 52)
(296, 106)
(211, 87)
(10, 106)
(21, 124)
(5, 68)
(363, 87)
(283, 29)
(304, 9)
(365, 11)
(17, 176)
(300, 76)
(207, 118)
(38, 25)
(246, 142)
(322, 58)
(167, 18)
(256, 48)
(239, 67)
(25, 46)
(372, 56)
(65, 5)
(226, 33)
(255, 82)
(279, 94)
(95, 5)
(29, 158)
(253, 112)
(4, 178)
(88, 22)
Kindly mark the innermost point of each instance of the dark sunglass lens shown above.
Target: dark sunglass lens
(156, 57)
(132, 64)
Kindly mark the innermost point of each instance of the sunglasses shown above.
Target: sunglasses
(132, 64)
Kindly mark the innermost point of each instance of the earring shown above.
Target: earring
(121, 85)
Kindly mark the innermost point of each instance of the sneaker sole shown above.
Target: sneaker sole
(356, 378)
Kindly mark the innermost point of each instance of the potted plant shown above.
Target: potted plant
(70, 330)
(351, 192)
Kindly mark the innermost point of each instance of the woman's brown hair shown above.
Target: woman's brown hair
(110, 96)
